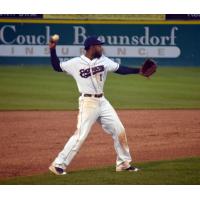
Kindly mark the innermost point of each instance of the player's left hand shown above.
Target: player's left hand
(148, 68)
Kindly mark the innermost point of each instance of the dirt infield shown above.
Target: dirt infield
(29, 140)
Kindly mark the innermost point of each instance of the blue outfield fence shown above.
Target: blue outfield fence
(170, 43)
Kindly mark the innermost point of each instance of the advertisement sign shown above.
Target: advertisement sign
(183, 17)
(169, 44)
(21, 16)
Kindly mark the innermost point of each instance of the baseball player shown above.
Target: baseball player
(90, 72)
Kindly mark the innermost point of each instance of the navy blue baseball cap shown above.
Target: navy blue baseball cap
(92, 40)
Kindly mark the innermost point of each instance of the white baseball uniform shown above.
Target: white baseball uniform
(90, 76)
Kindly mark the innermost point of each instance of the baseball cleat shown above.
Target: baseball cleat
(132, 169)
(57, 170)
(129, 169)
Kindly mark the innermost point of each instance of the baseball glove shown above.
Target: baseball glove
(148, 68)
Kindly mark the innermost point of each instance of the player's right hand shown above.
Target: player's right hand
(52, 43)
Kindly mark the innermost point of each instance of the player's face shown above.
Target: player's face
(97, 51)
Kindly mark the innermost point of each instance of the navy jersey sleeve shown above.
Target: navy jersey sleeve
(55, 62)
(127, 70)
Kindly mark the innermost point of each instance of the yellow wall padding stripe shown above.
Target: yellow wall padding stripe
(47, 21)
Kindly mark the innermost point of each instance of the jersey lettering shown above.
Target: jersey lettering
(97, 69)
(85, 73)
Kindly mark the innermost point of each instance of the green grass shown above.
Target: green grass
(40, 88)
(176, 172)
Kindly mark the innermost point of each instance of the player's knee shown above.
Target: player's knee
(119, 130)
